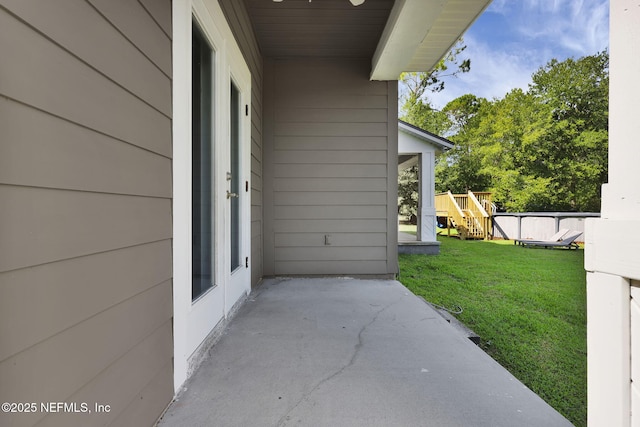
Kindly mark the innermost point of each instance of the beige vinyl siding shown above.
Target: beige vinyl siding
(328, 163)
(238, 19)
(85, 218)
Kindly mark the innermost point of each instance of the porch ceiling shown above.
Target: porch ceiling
(330, 28)
(400, 35)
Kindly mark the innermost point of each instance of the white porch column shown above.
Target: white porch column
(612, 250)
(426, 208)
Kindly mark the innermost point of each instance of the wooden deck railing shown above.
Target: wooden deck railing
(469, 214)
(447, 206)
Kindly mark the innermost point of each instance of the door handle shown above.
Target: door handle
(230, 195)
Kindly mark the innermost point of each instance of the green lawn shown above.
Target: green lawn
(527, 305)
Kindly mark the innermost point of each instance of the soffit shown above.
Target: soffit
(420, 32)
(320, 28)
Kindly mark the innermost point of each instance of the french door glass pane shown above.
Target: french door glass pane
(202, 160)
(235, 177)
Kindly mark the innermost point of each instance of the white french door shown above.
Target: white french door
(238, 197)
(211, 173)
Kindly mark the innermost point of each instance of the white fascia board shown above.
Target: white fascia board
(408, 24)
(435, 140)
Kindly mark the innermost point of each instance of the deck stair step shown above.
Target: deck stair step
(466, 213)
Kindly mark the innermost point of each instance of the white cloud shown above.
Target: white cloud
(493, 74)
(581, 27)
(532, 33)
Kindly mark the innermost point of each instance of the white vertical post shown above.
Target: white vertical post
(612, 248)
(608, 349)
(427, 211)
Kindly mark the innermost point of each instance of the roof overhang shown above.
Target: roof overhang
(419, 33)
(442, 143)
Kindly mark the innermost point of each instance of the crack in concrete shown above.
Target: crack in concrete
(356, 349)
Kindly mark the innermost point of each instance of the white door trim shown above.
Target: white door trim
(193, 322)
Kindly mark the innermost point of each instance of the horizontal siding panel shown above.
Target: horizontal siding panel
(256, 273)
(256, 197)
(331, 115)
(256, 98)
(62, 365)
(328, 166)
(256, 167)
(41, 225)
(330, 198)
(128, 375)
(138, 26)
(238, 20)
(256, 181)
(330, 170)
(256, 142)
(288, 240)
(319, 39)
(312, 51)
(255, 251)
(43, 151)
(331, 129)
(330, 226)
(337, 143)
(101, 46)
(31, 294)
(331, 267)
(330, 212)
(341, 78)
(256, 213)
(332, 100)
(331, 253)
(330, 184)
(160, 10)
(62, 85)
(335, 157)
(147, 406)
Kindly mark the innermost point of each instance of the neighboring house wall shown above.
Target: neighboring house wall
(410, 144)
(238, 19)
(85, 184)
(330, 168)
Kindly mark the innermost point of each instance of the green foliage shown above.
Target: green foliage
(460, 169)
(408, 197)
(543, 149)
(527, 305)
(415, 107)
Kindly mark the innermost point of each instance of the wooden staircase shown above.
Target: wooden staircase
(468, 213)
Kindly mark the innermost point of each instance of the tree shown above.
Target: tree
(543, 149)
(576, 94)
(415, 106)
(417, 110)
(460, 169)
(408, 198)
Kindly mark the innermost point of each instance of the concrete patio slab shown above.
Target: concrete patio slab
(345, 352)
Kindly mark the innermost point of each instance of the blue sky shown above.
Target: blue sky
(513, 38)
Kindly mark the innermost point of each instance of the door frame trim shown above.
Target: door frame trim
(194, 322)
